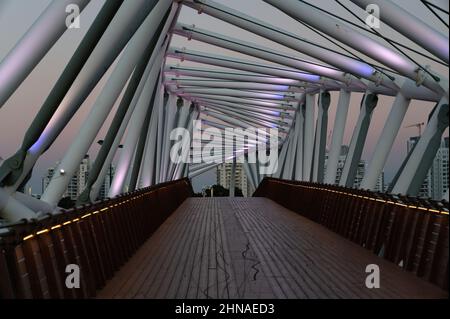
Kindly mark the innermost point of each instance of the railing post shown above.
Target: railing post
(7, 289)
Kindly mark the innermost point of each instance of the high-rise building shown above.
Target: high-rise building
(380, 183)
(224, 177)
(77, 182)
(360, 171)
(436, 181)
(104, 190)
(439, 171)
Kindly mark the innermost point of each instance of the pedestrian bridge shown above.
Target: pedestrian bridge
(286, 85)
(291, 240)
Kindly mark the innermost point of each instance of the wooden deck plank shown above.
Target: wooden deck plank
(183, 288)
(303, 269)
(168, 256)
(250, 281)
(254, 248)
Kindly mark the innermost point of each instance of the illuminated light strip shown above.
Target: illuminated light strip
(126, 201)
(360, 196)
(42, 231)
(28, 237)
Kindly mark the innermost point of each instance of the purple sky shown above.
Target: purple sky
(15, 116)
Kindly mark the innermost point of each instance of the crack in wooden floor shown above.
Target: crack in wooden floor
(254, 248)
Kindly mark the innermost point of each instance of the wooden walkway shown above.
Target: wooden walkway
(254, 248)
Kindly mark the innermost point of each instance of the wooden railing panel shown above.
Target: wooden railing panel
(410, 232)
(99, 238)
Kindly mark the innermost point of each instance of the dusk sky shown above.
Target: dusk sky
(16, 16)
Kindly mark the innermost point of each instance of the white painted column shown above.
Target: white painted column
(249, 174)
(358, 139)
(290, 155)
(104, 103)
(282, 157)
(337, 137)
(122, 27)
(385, 141)
(233, 178)
(184, 166)
(254, 173)
(321, 137)
(421, 158)
(183, 114)
(160, 128)
(134, 129)
(13, 210)
(300, 122)
(171, 109)
(308, 142)
(148, 171)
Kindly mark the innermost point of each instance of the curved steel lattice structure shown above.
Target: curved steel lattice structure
(277, 90)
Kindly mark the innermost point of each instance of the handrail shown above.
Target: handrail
(68, 214)
(411, 232)
(425, 204)
(98, 237)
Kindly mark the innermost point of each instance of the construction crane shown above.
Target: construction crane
(418, 125)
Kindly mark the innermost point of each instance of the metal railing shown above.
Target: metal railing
(98, 238)
(408, 231)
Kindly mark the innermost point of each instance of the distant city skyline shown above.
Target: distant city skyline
(79, 180)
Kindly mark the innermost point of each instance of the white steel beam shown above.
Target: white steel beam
(148, 169)
(171, 112)
(178, 71)
(337, 137)
(102, 106)
(366, 45)
(321, 137)
(135, 125)
(287, 96)
(182, 83)
(233, 178)
(119, 31)
(385, 142)
(308, 141)
(255, 50)
(358, 140)
(410, 26)
(421, 158)
(34, 45)
(300, 122)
